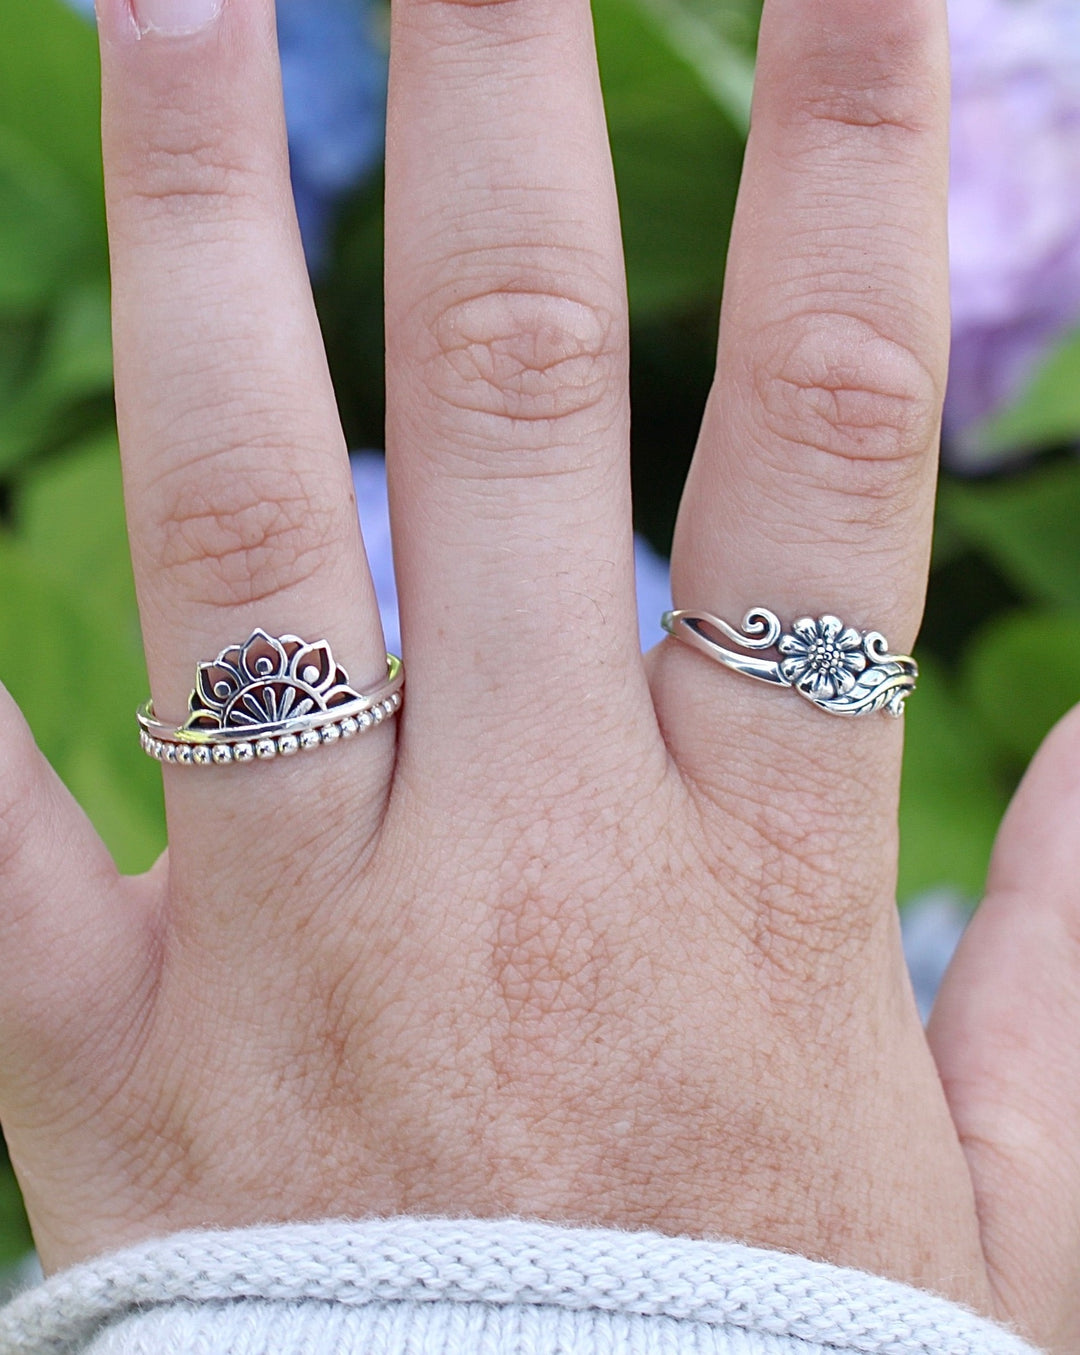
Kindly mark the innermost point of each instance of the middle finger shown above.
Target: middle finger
(508, 423)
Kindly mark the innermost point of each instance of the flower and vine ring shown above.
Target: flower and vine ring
(835, 667)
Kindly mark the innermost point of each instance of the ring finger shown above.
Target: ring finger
(812, 486)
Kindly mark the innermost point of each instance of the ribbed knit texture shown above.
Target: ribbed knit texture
(409, 1286)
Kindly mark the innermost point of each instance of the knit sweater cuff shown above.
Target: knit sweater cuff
(409, 1286)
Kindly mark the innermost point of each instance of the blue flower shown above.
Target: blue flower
(333, 69)
(932, 926)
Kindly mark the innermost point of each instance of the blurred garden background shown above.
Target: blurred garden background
(1000, 647)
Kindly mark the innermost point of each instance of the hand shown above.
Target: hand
(578, 936)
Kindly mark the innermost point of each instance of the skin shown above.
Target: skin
(579, 936)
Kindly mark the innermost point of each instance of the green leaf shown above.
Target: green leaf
(19, 340)
(1027, 526)
(49, 88)
(42, 637)
(15, 1240)
(77, 358)
(707, 37)
(70, 517)
(69, 645)
(1022, 674)
(950, 542)
(953, 795)
(71, 362)
(120, 793)
(78, 683)
(43, 225)
(677, 158)
(1047, 413)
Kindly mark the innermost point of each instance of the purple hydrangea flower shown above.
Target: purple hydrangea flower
(1014, 209)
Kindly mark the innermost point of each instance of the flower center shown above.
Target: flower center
(824, 656)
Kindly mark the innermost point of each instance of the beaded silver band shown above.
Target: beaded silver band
(837, 668)
(272, 696)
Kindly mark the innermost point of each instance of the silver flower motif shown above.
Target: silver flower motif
(823, 658)
(266, 681)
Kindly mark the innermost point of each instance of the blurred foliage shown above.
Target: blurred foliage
(717, 40)
(55, 363)
(1001, 652)
(66, 595)
(66, 582)
(677, 154)
(14, 1232)
(1029, 524)
(953, 791)
(1001, 643)
(70, 651)
(1046, 413)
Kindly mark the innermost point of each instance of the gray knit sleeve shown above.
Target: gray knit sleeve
(408, 1286)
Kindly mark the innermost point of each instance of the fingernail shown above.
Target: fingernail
(175, 17)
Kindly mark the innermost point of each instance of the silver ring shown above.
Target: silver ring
(835, 667)
(270, 697)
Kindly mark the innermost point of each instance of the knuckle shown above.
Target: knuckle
(532, 360)
(480, 4)
(846, 85)
(186, 167)
(881, 109)
(468, 9)
(474, 27)
(233, 533)
(862, 399)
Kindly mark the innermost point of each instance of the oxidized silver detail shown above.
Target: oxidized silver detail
(835, 667)
(272, 696)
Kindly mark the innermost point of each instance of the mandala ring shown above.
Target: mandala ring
(835, 667)
(272, 696)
